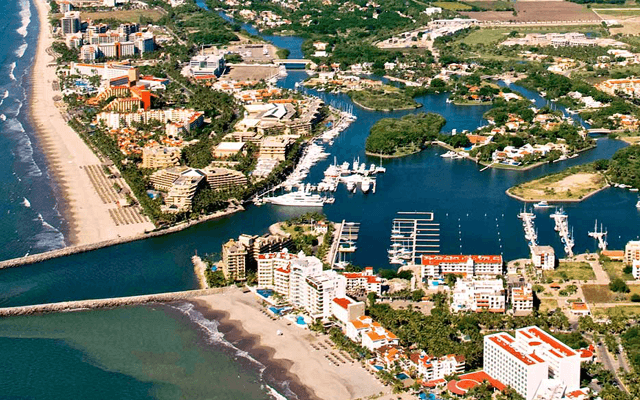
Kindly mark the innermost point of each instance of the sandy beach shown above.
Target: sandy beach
(90, 219)
(291, 355)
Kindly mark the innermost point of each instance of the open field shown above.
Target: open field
(548, 304)
(251, 72)
(597, 293)
(492, 5)
(580, 271)
(489, 36)
(628, 20)
(453, 6)
(531, 11)
(568, 185)
(123, 15)
(614, 270)
(617, 310)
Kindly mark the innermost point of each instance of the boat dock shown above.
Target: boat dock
(600, 236)
(562, 227)
(413, 234)
(529, 228)
(344, 243)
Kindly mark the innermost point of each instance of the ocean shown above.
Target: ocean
(31, 222)
(147, 352)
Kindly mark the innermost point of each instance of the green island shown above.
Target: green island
(397, 137)
(579, 182)
(385, 99)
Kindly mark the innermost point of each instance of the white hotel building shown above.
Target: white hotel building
(525, 361)
(438, 265)
(301, 280)
(479, 295)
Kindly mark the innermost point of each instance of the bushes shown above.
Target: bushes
(619, 286)
(389, 135)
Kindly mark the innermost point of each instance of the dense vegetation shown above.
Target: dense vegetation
(624, 166)
(390, 136)
(383, 100)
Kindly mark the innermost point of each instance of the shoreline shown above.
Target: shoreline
(386, 109)
(586, 196)
(88, 218)
(276, 372)
(370, 154)
(290, 354)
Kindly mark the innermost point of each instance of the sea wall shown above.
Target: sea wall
(67, 251)
(106, 303)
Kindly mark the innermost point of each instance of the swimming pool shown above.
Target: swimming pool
(402, 376)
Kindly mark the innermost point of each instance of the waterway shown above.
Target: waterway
(475, 214)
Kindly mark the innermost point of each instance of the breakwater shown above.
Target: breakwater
(67, 251)
(106, 303)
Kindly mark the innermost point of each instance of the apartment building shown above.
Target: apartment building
(321, 289)
(439, 265)
(370, 334)
(176, 120)
(70, 23)
(543, 257)
(224, 178)
(276, 147)
(527, 359)
(432, 368)
(522, 299)
(345, 309)
(364, 281)
(478, 295)
(163, 179)
(181, 193)
(207, 65)
(234, 258)
(158, 157)
(632, 252)
(106, 71)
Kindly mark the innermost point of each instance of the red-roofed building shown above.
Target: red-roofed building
(346, 309)
(369, 333)
(365, 281)
(438, 265)
(466, 382)
(431, 368)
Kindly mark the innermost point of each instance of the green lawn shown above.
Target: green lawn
(486, 36)
(580, 271)
(614, 270)
(548, 304)
(453, 6)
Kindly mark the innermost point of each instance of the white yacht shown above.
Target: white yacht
(638, 204)
(542, 204)
(297, 199)
(366, 185)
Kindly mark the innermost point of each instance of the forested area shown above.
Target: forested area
(390, 135)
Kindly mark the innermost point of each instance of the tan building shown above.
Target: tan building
(543, 257)
(234, 260)
(267, 243)
(276, 147)
(224, 178)
(180, 196)
(632, 252)
(160, 157)
(228, 149)
(163, 179)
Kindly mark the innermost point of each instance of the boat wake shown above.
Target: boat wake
(26, 202)
(25, 15)
(4, 96)
(214, 336)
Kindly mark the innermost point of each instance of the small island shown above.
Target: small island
(387, 98)
(570, 185)
(397, 137)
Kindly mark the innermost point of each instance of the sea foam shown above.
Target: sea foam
(12, 67)
(23, 149)
(49, 238)
(25, 15)
(216, 337)
(20, 50)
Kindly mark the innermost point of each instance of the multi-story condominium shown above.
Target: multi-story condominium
(543, 257)
(157, 157)
(433, 368)
(234, 257)
(532, 356)
(224, 178)
(632, 252)
(345, 309)
(522, 299)
(320, 291)
(438, 265)
(613, 86)
(163, 179)
(144, 42)
(65, 6)
(477, 295)
(207, 65)
(180, 195)
(363, 281)
(370, 334)
(265, 244)
(183, 119)
(275, 147)
(70, 23)
(106, 71)
(269, 263)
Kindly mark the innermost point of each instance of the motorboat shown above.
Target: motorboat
(300, 198)
(638, 204)
(542, 204)
(366, 185)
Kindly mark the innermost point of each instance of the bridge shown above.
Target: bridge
(291, 61)
(603, 131)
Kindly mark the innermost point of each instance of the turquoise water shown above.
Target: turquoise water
(127, 353)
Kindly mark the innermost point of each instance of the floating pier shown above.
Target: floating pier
(344, 245)
(600, 236)
(562, 227)
(413, 234)
(529, 227)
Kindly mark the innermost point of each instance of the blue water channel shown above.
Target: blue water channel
(475, 214)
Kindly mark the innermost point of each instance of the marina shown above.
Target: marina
(561, 220)
(599, 235)
(413, 234)
(344, 245)
(530, 232)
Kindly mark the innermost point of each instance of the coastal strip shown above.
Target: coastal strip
(586, 196)
(106, 303)
(70, 250)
